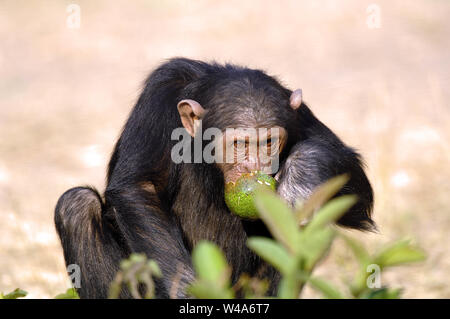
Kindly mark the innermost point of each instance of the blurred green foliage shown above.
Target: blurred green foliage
(70, 293)
(135, 271)
(302, 237)
(17, 293)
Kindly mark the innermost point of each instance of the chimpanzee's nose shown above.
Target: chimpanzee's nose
(253, 164)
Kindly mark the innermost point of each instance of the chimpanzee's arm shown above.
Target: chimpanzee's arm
(147, 228)
(318, 156)
(96, 238)
(91, 247)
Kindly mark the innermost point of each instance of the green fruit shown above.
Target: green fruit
(239, 196)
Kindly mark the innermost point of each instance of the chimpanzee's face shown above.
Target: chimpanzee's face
(258, 138)
(250, 149)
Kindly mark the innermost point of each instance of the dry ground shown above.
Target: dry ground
(65, 93)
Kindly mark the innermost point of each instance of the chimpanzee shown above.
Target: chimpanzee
(153, 205)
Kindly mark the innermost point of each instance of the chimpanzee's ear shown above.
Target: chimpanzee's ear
(190, 112)
(296, 99)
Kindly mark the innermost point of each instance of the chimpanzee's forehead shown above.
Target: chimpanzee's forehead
(249, 82)
(244, 101)
(247, 112)
(247, 92)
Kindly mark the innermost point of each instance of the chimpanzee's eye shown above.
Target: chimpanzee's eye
(267, 142)
(238, 143)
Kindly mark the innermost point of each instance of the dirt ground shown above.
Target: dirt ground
(381, 85)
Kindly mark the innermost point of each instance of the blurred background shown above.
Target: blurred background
(377, 73)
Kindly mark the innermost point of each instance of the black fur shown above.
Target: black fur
(318, 156)
(154, 206)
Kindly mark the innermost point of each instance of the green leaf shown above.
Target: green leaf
(289, 287)
(252, 287)
(357, 248)
(327, 290)
(278, 218)
(155, 270)
(320, 196)
(17, 293)
(272, 252)
(314, 245)
(209, 290)
(70, 293)
(383, 293)
(399, 253)
(331, 212)
(210, 263)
